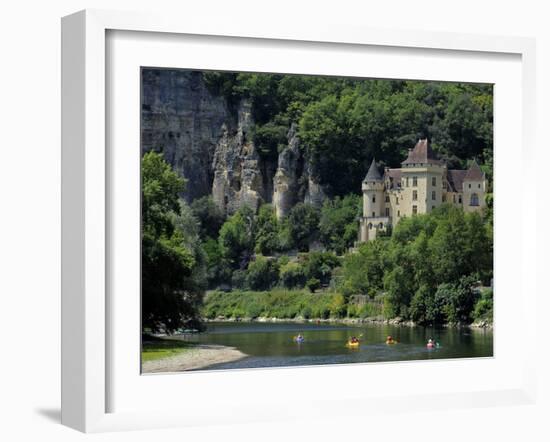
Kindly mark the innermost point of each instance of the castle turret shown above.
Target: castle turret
(373, 218)
(373, 192)
(474, 188)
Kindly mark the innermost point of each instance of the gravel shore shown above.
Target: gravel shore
(197, 357)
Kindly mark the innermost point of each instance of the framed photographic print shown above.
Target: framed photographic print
(268, 211)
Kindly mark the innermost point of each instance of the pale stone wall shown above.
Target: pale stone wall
(469, 188)
(391, 205)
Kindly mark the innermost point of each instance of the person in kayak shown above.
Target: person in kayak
(430, 343)
(389, 340)
(354, 340)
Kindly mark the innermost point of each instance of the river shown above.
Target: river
(272, 345)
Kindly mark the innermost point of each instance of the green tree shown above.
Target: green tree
(236, 238)
(338, 226)
(211, 218)
(313, 284)
(363, 272)
(262, 273)
(292, 275)
(172, 260)
(303, 225)
(319, 265)
(267, 231)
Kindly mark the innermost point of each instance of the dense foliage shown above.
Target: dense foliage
(429, 269)
(172, 259)
(344, 122)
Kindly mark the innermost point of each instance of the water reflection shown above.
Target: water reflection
(272, 344)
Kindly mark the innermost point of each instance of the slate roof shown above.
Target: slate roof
(422, 154)
(474, 173)
(373, 174)
(395, 177)
(455, 178)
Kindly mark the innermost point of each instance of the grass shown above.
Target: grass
(153, 348)
(282, 303)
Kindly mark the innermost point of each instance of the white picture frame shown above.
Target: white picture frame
(86, 203)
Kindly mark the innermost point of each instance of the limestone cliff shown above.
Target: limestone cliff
(182, 119)
(211, 144)
(237, 173)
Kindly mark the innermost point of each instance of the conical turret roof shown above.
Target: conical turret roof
(373, 174)
(474, 173)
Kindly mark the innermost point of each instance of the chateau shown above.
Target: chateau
(419, 186)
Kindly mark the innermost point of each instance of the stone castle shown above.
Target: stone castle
(419, 186)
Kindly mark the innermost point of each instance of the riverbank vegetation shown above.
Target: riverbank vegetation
(428, 270)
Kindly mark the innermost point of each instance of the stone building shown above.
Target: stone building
(421, 184)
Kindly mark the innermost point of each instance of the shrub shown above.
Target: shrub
(319, 265)
(292, 275)
(313, 284)
(238, 279)
(262, 273)
(484, 306)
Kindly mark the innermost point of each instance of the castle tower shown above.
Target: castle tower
(373, 218)
(474, 189)
(422, 175)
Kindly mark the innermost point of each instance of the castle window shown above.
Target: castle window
(373, 215)
(387, 211)
(479, 186)
(433, 195)
(415, 195)
(387, 198)
(459, 199)
(474, 200)
(370, 226)
(396, 200)
(433, 181)
(469, 185)
(415, 181)
(380, 226)
(374, 198)
(407, 181)
(399, 213)
(415, 210)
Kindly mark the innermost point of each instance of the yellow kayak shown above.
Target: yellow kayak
(352, 344)
(391, 342)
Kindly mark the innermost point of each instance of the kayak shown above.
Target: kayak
(298, 339)
(430, 345)
(391, 342)
(352, 344)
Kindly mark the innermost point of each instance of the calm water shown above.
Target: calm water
(271, 345)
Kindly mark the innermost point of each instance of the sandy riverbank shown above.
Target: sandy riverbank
(197, 357)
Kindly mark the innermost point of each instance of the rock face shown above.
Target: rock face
(182, 119)
(237, 171)
(211, 144)
(286, 182)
